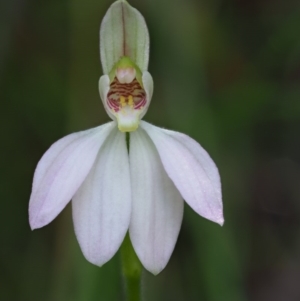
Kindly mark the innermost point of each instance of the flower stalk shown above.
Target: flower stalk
(132, 271)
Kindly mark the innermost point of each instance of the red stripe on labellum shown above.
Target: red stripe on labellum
(141, 104)
(118, 90)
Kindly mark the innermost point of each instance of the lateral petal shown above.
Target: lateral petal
(191, 169)
(104, 87)
(102, 205)
(61, 171)
(148, 86)
(157, 206)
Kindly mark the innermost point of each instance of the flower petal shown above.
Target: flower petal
(102, 205)
(61, 171)
(123, 32)
(191, 169)
(157, 206)
(148, 86)
(104, 86)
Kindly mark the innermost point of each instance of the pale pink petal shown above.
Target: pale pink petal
(192, 170)
(157, 206)
(149, 87)
(61, 171)
(104, 86)
(102, 205)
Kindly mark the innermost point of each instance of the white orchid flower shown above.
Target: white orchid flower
(114, 189)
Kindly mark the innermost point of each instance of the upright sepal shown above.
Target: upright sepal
(123, 32)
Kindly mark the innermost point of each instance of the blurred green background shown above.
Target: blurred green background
(227, 73)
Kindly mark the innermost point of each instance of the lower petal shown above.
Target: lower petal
(191, 169)
(157, 206)
(61, 171)
(102, 205)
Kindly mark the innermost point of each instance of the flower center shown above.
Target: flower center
(126, 97)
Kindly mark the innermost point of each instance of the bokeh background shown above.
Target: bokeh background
(226, 73)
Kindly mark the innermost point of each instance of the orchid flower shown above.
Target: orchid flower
(117, 187)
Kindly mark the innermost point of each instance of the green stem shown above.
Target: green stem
(132, 270)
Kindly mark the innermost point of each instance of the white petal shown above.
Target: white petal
(102, 205)
(104, 86)
(123, 32)
(157, 206)
(148, 86)
(61, 171)
(191, 169)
